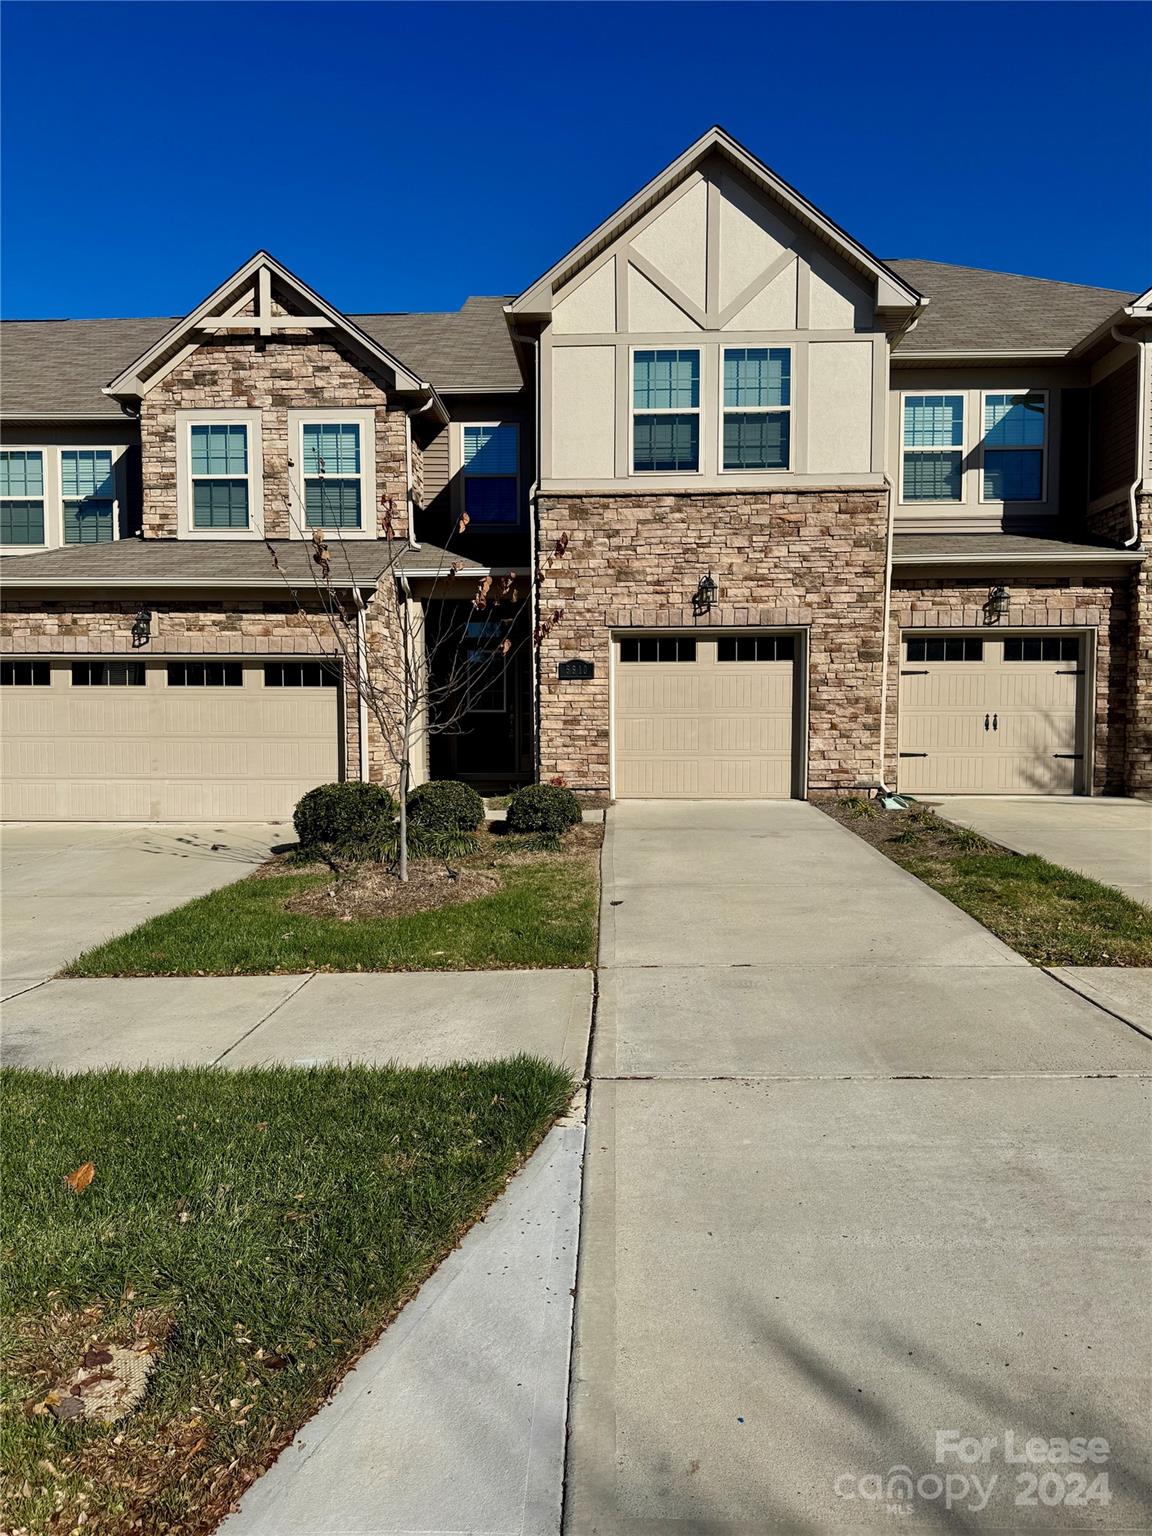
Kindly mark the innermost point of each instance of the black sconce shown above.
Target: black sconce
(996, 606)
(141, 628)
(704, 596)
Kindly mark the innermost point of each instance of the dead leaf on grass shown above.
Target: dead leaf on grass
(79, 1181)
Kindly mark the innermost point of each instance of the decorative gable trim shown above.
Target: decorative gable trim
(244, 303)
(892, 292)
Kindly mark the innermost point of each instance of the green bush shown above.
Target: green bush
(445, 806)
(543, 808)
(345, 816)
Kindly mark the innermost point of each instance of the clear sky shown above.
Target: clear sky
(404, 156)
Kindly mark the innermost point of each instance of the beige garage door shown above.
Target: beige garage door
(992, 716)
(123, 740)
(705, 718)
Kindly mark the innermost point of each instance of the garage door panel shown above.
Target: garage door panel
(108, 753)
(702, 728)
(993, 726)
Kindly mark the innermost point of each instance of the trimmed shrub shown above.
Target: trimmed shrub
(346, 816)
(543, 808)
(445, 806)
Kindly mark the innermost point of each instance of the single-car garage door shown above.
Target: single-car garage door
(124, 740)
(699, 718)
(992, 716)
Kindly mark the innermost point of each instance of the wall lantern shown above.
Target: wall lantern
(141, 628)
(704, 596)
(996, 606)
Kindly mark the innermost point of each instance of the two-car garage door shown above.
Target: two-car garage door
(123, 740)
(705, 717)
(992, 715)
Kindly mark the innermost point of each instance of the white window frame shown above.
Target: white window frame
(679, 410)
(365, 419)
(185, 421)
(753, 410)
(515, 522)
(962, 448)
(50, 503)
(50, 455)
(998, 501)
(117, 453)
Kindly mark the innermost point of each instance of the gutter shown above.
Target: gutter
(1095, 557)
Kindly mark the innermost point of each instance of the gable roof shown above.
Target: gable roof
(1000, 313)
(227, 302)
(893, 291)
(57, 369)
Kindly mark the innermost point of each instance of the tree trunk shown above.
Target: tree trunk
(404, 821)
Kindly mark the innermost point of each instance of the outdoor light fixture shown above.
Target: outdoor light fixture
(141, 628)
(704, 596)
(996, 606)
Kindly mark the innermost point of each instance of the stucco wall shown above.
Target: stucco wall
(811, 559)
(272, 376)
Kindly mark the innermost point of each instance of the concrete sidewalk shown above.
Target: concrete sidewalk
(410, 1018)
(455, 1420)
(1109, 840)
(855, 1174)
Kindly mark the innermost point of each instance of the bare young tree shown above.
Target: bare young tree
(414, 677)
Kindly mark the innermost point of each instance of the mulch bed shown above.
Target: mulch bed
(889, 830)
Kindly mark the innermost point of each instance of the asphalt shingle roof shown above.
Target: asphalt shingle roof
(974, 310)
(51, 366)
(223, 562)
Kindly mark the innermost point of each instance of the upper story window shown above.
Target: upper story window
(757, 407)
(333, 490)
(88, 493)
(21, 496)
(1014, 440)
(932, 464)
(219, 474)
(491, 465)
(221, 497)
(666, 411)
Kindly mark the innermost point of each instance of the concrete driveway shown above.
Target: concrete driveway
(66, 886)
(1107, 839)
(856, 1175)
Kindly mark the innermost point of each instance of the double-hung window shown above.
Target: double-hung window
(666, 411)
(220, 460)
(757, 407)
(21, 496)
(490, 464)
(88, 493)
(1013, 451)
(933, 448)
(333, 474)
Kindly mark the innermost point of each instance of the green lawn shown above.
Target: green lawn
(1050, 915)
(277, 1217)
(545, 915)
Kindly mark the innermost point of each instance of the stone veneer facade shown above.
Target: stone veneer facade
(1098, 603)
(275, 376)
(802, 559)
(1139, 760)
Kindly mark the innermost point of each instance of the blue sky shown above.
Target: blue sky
(404, 156)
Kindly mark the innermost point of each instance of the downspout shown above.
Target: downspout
(408, 415)
(362, 685)
(1141, 431)
(533, 493)
(887, 633)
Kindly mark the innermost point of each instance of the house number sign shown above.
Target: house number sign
(575, 670)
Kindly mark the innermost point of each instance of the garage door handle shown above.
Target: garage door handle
(995, 722)
(985, 722)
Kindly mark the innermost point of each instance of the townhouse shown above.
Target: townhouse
(721, 505)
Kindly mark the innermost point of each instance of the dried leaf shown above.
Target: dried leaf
(79, 1181)
(463, 523)
(95, 1356)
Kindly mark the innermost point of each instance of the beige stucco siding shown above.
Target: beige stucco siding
(584, 411)
(840, 407)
